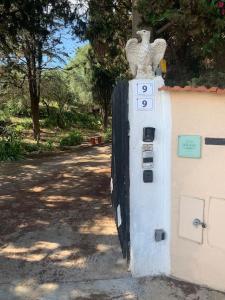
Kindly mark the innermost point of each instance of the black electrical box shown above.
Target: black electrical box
(148, 134)
(148, 176)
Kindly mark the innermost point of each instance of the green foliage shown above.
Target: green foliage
(62, 120)
(30, 39)
(24, 123)
(10, 150)
(14, 98)
(107, 28)
(59, 119)
(108, 135)
(13, 148)
(69, 119)
(194, 31)
(55, 89)
(49, 145)
(18, 108)
(66, 94)
(88, 121)
(30, 147)
(79, 76)
(4, 117)
(72, 139)
(209, 79)
(10, 145)
(34, 147)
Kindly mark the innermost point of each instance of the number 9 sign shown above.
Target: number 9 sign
(145, 89)
(145, 104)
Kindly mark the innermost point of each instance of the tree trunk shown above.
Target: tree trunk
(136, 18)
(47, 108)
(106, 119)
(35, 117)
(34, 100)
(105, 114)
(34, 58)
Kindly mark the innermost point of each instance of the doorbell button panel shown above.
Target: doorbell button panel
(147, 159)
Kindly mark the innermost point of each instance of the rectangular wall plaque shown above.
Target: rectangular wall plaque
(189, 146)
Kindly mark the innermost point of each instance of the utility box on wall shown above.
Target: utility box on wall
(191, 213)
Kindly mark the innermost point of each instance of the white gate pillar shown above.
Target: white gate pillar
(149, 201)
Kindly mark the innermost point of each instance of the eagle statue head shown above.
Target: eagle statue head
(144, 34)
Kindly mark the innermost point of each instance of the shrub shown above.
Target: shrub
(72, 139)
(33, 147)
(21, 124)
(30, 147)
(108, 135)
(19, 128)
(4, 121)
(10, 148)
(17, 108)
(88, 121)
(4, 117)
(210, 79)
(67, 119)
(48, 145)
(26, 123)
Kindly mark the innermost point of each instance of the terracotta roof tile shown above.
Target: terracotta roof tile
(187, 88)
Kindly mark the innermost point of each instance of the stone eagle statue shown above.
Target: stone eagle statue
(144, 57)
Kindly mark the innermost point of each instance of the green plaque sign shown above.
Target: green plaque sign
(189, 146)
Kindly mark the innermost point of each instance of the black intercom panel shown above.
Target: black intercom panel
(148, 176)
(148, 134)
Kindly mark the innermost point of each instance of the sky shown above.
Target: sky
(70, 44)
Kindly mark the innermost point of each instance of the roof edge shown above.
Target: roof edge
(188, 88)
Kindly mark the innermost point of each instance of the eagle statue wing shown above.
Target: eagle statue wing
(132, 50)
(158, 48)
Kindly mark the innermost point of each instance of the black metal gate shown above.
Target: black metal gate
(120, 164)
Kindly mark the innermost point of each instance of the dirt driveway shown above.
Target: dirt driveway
(57, 227)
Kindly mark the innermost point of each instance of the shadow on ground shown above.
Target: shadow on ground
(56, 223)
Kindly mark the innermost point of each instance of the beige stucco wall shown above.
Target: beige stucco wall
(202, 114)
